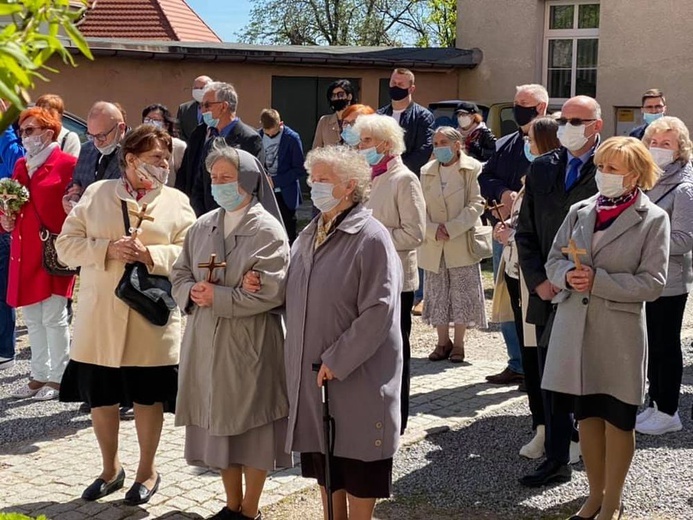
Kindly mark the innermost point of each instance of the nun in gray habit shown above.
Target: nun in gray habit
(232, 388)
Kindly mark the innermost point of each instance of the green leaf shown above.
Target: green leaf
(78, 40)
(9, 9)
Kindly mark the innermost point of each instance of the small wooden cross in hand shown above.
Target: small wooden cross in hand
(573, 251)
(212, 265)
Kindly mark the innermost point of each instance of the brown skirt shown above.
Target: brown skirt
(358, 478)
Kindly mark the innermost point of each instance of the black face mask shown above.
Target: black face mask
(524, 115)
(339, 104)
(398, 93)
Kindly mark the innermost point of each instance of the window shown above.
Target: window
(571, 47)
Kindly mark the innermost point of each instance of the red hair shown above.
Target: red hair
(359, 110)
(44, 118)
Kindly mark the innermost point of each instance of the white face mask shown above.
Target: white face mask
(572, 137)
(34, 144)
(197, 94)
(465, 121)
(662, 157)
(610, 184)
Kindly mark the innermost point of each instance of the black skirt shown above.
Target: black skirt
(602, 406)
(356, 477)
(107, 386)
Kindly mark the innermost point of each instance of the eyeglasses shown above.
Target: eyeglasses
(29, 130)
(527, 139)
(208, 104)
(101, 137)
(574, 121)
(339, 95)
(150, 121)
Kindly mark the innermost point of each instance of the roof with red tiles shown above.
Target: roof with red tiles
(162, 20)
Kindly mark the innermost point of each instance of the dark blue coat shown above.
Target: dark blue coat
(10, 151)
(88, 163)
(417, 123)
(505, 169)
(290, 168)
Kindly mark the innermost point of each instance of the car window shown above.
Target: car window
(76, 125)
(507, 121)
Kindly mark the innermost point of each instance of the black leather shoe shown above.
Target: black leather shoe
(225, 514)
(548, 472)
(100, 488)
(578, 517)
(139, 494)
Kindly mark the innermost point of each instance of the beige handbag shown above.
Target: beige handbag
(480, 242)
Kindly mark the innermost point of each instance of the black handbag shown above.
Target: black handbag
(148, 294)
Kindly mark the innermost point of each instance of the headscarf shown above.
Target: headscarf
(254, 180)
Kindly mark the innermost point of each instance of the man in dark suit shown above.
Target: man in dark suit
(654, 106)
(189, 113)
(555, 181)
(284, 162)
(97, 158)
(219, 105)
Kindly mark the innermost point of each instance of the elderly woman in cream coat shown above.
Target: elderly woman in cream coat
(232, 397)
(452, 285)
(117, 356)
(397, 202)
(597, 352)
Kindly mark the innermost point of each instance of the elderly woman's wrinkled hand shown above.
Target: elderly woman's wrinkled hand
(502, 232)
(129, 250)
(202, 294)
(325, 374)
(7, 222)
(442, 233)
(581, 279)
(71, 198)
(251, 282)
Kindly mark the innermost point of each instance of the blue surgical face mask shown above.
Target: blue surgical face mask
(443, 154)
(227, 195)
(350, 136)
(371, 155)
(651, 118)
(528, 152)
(321, 195)
(210, 120)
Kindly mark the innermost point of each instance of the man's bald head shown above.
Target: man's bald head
(201, 81)
(105, 123)
(583, 104)
(104, 109)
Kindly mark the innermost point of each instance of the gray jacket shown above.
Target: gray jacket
(674, 194)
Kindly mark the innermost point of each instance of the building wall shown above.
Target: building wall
(136, 83)
(642, 44)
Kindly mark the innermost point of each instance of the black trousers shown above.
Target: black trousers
(560, 426)
(288, 216)
(530, 357)
(407, 302)
(665, 368)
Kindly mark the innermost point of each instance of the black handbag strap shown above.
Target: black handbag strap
(126, 217)
(668, 192)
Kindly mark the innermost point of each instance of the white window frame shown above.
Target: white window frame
(565, 34)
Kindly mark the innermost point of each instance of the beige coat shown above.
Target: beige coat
(231, 376)
(398, 203)
(459, 206)
(327, 132)
(107, 332)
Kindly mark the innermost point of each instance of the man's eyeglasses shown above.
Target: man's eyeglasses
(208, 104)
(101, 137)
(574, 121)
(29, 130)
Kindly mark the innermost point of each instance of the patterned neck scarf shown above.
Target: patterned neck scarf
(609, 209)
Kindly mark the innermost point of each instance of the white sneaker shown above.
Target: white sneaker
(534, 449)
(660, 423)
(6, 362)
(46, 393)
(645, 415)
(575, 452)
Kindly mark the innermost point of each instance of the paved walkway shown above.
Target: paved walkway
(47, 477)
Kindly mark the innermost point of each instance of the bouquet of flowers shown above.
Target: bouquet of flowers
(12, 196)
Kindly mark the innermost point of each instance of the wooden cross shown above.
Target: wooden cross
(5, 198)
(494, 206)
(573, 251)
(141, 217)
(212, 265)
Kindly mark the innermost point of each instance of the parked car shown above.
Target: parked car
(498, 116)
(76, 124)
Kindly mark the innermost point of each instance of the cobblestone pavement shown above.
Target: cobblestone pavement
(47, 476)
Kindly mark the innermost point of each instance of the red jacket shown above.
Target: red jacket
(28, 282)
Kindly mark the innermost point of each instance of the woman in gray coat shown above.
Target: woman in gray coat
(342, 305)
(598, 348)
(670, 146)
(232, 393)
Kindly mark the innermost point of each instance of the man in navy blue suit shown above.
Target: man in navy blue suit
(284, 163)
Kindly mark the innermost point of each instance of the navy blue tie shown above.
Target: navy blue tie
(573, 172)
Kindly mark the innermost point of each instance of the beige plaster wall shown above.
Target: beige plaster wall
(136, 83)
(509, 33)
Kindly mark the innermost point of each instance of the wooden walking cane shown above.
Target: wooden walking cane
(328, 436)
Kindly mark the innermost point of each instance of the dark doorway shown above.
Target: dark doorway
(301, 101)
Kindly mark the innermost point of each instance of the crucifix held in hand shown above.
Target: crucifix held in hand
(141, 216)
(573, 251)
(494, 206)
(4, 199)
(212, 265)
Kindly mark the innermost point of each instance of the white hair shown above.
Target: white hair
(382, 128)
(223, 92)
(538, 92)
(345, 163)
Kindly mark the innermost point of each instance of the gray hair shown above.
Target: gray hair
(537, 91)
(383, 128)
(449, 132)
(347, 164)
(223, 92)
(674, 124)
(220, 151)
